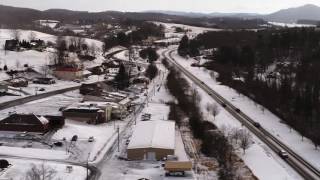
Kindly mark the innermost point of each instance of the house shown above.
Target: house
(91, 89)
(41, 80)
(68, 73)
(152, 140)
(18, 82)
(11, 45)
(37, 43)
(90, 115)
(25, 123)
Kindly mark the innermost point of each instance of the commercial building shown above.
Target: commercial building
(152, 140)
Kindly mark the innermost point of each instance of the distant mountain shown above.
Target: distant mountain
(208, 15)
(292, 15)
(181, 13)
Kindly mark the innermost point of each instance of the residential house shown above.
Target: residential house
(42, 80)
(11, 45)
(68, 73)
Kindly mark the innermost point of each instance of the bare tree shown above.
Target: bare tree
(18, 64)
(93, 49)
(41, 172)
(32, 36)
(61, 45)
(236, 133)
(245, 140)
(214, 109)
(15, 34)
(45, 69)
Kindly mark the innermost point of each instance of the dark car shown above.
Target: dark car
(223, 105)
(238, 110)
(283, 154)
(256, 124)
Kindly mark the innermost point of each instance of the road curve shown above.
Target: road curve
(304, 168)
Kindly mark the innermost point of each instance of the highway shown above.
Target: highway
(305, 169)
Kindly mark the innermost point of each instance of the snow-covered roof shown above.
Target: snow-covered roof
(153, 134)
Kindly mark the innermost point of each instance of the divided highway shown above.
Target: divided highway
(304, 168)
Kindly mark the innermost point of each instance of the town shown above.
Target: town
(158, 95)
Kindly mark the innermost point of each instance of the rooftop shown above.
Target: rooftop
(153, 134)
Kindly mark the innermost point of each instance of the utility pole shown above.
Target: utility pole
(118, 130)
(88, 166)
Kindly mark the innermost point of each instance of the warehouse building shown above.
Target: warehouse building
(152, 140)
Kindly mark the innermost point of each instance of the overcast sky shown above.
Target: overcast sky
(206, 6)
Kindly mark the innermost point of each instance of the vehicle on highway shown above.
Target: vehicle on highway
(223, 105)
(283, 154)
(238, 110)
(256, 124)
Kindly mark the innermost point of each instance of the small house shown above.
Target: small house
(18, 82)
(68, 73)
(44, 81)
(11, 45)
(92, 89)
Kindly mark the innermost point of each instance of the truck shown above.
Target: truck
(177, 168)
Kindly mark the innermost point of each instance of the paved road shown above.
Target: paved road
(304, 168)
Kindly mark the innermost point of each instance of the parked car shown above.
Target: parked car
(58, 144)
(127, 142)
(91, 139)
(283, 154)
(42, 89)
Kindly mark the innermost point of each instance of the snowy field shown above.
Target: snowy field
(36, 60)
(291, 25)
(193, 31)
(19, 168)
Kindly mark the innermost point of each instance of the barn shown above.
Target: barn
(152, 140)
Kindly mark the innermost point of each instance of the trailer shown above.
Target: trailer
(177, 168)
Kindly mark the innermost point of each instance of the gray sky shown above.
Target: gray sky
(206, 6)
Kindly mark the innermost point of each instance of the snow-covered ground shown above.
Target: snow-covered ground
(114, 168)
(291, 25)
(37, 60)
(263, 162)
(193, 31)
(20, 167)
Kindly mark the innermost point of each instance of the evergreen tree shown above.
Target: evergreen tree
(122, 78)
(184, 46)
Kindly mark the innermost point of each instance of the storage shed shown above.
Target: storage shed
(152, 140)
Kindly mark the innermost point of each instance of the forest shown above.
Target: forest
(277, 68)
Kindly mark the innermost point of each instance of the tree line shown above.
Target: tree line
(215, 143)
(279, 68)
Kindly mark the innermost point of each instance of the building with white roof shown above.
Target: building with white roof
(152, 140)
